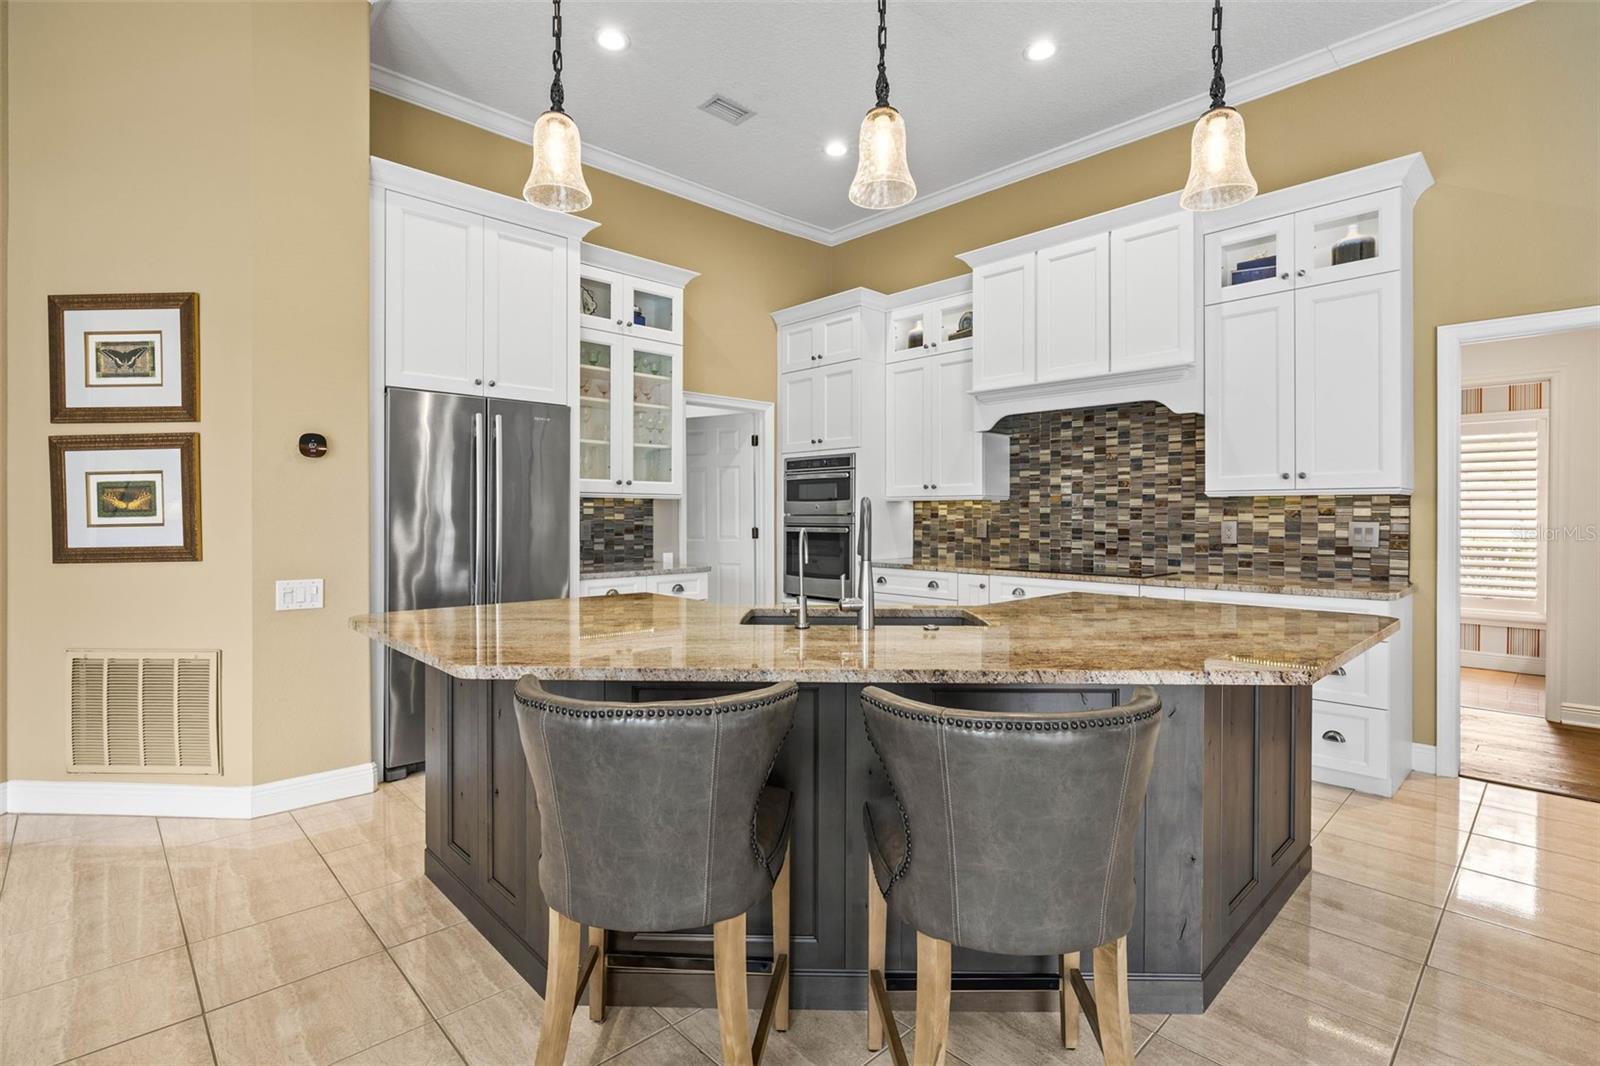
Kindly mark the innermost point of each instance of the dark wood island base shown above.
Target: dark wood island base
(1225, 839)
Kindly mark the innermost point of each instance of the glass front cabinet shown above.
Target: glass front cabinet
(630, 376)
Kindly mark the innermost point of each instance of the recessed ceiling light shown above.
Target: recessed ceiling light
(611, 39)
(1041, 50)
(836, 148)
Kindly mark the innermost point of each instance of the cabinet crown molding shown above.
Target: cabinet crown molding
(959, 285)
(637, 266)
(385, 174)
(850, 299)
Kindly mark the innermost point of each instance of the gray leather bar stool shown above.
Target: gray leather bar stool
(653, 817)
(1009, 832)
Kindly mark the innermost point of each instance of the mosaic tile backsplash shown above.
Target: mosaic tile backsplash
(1119, 490)
(615, 534)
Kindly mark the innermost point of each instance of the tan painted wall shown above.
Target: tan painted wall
(1574, 551)
(746, 271)
(1506, 113)
(233, 164)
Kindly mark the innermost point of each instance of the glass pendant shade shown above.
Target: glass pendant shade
(883, 178)
(556, 181)
(1219, 174)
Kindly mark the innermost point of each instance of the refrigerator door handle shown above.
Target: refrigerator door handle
(499, 501)
(477, 506)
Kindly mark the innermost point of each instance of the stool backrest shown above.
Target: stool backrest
(646, 810)
(1019, 825)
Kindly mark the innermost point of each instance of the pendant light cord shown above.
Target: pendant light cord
(883, 46)
(1218, 86)
(558, 95)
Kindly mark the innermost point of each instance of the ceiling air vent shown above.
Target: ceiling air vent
(728, 111)
(134, 712)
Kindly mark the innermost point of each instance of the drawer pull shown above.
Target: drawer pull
(678, 587)
(1019, 591)
(933, 584)
(612, 592)
(1338, 671)
(883, 581)
(1334, 736)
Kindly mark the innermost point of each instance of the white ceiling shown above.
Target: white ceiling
(978, 114)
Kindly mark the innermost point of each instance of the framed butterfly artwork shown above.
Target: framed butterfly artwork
(127, 497)
(129, 357)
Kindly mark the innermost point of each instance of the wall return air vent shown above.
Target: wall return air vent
(728, 111)
(151, 712)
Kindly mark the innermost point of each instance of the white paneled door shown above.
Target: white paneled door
(720, 505)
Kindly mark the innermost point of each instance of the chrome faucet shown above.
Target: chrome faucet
(803, 619)
(863, 602)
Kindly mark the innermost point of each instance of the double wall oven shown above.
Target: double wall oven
(819, 496)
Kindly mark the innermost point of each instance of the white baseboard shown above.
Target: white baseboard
(1424, 758)
(185, 801)
(1580, 714)
(1511, 664)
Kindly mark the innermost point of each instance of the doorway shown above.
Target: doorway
(728, 498)
(1519, 555)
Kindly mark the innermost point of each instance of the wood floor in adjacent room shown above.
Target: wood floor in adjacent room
(1506, 739)
(1454, 923)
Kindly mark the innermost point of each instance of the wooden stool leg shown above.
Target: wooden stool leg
(1111, 1002)
(733, 1000)
(877, 931)
(933, 1000)
(560, 991)
(780, 937)
(597, 980)
(1069, 1001)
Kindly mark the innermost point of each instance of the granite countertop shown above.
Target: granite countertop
(641, 571)
(1068, 639)
(1283, 585)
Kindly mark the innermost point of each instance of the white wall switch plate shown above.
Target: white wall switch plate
(1230, 531)
(304, 594)
(1363, 534)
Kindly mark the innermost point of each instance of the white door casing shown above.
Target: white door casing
(720, 502)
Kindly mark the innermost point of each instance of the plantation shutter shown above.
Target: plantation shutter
(1502, 479)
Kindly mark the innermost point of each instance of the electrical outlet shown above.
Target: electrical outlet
(1363, 534)
(1230, 531)
(304, 594)
(983, 529)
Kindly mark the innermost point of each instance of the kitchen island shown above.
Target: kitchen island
(1224, 840)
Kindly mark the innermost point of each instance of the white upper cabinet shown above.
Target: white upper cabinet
(1347, 239)
(934, 450)
(936, 327)
(472, 304)
(906, 411)
(1352, 399)
(1003, 303)
(1250, 396)
(832, 339)
(1251, 260)
(630, 416)
(1075, 309)
(433, 296)
(523, 332)
(616, 302)
(955, 447)
(820, 409)
(1153, 293)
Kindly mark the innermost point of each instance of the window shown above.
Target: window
(1504, 455)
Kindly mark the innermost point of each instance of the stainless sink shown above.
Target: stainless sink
(884, 618)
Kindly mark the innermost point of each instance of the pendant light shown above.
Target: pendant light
(1219, 174)
(556, 181)
(883, 178)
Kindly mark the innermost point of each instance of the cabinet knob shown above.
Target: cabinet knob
(477, 381)
(982, 585)
(924, 484)
(678, 587)
(619, 480)
(1301, 272)
(933, 584)
(1302, 474)
(1284, 475)
(933, 486)
(612, 592)
(1334, 736)
(491, 383)
(1284, 275)
(934, 344)
(619, 321)
(630, 481)
(882, 581)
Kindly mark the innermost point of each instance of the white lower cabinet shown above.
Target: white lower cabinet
(684, 586)
(1348, 739)
(601, 586)
(933, 448)
(972, 590)
(914, 586)
(1005, 589)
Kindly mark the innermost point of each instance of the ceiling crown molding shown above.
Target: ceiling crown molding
(1409, 30)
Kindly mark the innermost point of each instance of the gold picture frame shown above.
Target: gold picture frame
(135, 364)
(136, 499)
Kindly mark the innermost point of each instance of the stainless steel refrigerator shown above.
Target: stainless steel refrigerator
(478, 512)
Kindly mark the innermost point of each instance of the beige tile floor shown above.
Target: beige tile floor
(1454, 923)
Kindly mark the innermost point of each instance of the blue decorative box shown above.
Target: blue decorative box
(1239, 277)
(1269, 262)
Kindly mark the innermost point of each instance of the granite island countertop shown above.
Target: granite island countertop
(1068, 639)
(1275, 584)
